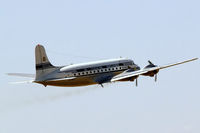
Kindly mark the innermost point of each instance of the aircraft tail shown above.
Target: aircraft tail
(43, 65)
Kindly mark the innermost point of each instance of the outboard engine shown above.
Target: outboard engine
(151, 73)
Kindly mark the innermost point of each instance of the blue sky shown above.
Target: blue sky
(80, 31)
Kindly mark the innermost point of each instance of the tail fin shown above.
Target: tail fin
(43, 66)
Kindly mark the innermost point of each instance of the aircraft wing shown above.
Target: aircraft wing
(177, 63)
(22, 75)
(126, 75)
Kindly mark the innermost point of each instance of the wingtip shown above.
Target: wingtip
(194, 59)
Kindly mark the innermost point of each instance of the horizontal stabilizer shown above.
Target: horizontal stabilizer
(22, 82)
(22, 75)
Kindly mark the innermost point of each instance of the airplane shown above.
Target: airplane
(90, 73)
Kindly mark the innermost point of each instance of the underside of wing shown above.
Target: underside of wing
(126, 75)
(22, 75)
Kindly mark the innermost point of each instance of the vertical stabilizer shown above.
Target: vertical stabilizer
(43, 66)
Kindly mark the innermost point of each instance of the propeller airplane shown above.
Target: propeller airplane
(90, 73)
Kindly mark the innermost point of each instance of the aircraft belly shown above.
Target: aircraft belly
(79, 81)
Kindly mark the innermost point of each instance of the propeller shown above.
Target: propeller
(152, 73)
(150, 62)
(155, 77)
(136, 82)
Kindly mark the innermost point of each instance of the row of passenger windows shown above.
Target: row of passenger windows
(98, 71)
(101, 67)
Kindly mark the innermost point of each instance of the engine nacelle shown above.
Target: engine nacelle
(151, 73)
(129, 79)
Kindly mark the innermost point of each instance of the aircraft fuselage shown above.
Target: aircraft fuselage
(88, 73)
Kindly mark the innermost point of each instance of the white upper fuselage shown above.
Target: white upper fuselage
(98, 67)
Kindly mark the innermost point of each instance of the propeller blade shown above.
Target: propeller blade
(155, 77)
(150, 62)
(136, 82)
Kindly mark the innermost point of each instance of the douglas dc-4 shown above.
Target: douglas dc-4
(90, 73)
